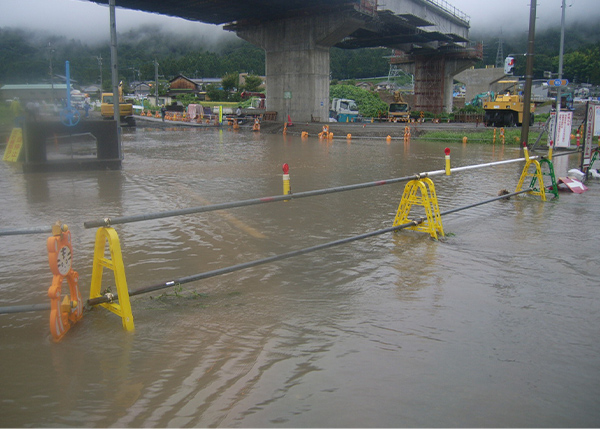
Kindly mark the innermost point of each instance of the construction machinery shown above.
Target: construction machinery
(399, 110)
(505, 111)
(125, 109)
(479, 99)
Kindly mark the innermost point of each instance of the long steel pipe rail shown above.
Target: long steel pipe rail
(106, 222)
(242, 266)
(226, 270)
(213, 207)
(25, 231)
(25, 308)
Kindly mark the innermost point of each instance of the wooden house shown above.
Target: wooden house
(183, 85)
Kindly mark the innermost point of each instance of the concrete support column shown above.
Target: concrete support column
(448, 93)
(453, 67)
(429, 83)
(434, 81)
(298, 83)
(297, 61)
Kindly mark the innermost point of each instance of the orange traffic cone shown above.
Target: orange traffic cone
(289, 122)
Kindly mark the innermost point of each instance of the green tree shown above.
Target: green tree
(253, 83)
(216, 94)
(359, 63)
(230, 82)
(583, 65)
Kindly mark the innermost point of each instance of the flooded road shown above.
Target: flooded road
(496, 326)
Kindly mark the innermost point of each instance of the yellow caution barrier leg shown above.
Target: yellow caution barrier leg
(115, 263)
(421, 192)
(536, 176)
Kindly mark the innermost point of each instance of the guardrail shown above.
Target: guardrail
(447, 7)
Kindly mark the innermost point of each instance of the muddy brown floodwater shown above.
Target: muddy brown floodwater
(496, 326)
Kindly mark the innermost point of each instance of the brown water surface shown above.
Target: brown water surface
(496, 326)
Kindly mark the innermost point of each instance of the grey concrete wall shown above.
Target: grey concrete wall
(442, 100)
(480, 80)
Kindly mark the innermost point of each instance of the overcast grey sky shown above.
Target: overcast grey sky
(89, 21)
(488, 14)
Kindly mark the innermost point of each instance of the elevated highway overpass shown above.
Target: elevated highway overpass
(298, 34)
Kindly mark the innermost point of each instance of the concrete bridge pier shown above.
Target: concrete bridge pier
(453, 67)
(297, 61)
(434, 79)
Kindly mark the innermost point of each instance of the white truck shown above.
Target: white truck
(344, 110)
(77, 99)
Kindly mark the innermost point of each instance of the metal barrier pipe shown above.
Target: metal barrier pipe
(24, 308)
(23, 231)
(233, 268)
(159, 215)
(222, 206)
(555, 154)
(501, 197)
(227, 270)
(473, 167)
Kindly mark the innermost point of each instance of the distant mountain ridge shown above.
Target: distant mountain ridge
(26, 57)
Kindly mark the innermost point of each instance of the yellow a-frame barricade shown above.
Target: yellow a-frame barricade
(421, 192)
(115, 263)
(536, 175)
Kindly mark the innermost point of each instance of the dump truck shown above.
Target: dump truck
(399, 110)
(125, 109)
(505, 111)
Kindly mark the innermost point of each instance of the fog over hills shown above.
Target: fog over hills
(89, 22)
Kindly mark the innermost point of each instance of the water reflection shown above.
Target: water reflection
(414, 249)
(37, 190)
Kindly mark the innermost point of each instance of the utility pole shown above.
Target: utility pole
(115, 70)
(156, 81)
(99, 58)
(560, 69)
(528, 74)
(50, 54)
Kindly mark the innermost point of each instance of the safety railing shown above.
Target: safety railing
(450, 9)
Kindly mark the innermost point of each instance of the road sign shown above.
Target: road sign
(13, 148)
(558, 82)
(561, 137)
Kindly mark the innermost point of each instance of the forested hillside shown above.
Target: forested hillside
(581, 51)
(27, 57)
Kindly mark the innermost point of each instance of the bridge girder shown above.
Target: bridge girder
(229, 11)
(300, 69)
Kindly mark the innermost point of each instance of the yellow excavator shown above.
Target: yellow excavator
(125, 109)
(399, 110)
